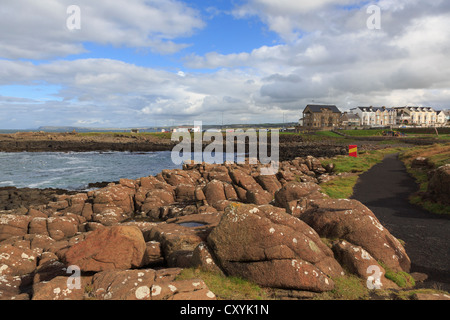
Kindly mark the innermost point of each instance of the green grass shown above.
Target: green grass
(349, 287)
(362, 163)
(340, 187)
(402, 279)
(363, 133)
(329, 134)
(430, 206)
(437, 155)
(226, 288)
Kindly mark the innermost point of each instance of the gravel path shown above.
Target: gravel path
(385, 189)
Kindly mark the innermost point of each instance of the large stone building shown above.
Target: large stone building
(321, 116)
(350, 120)
(372, 116)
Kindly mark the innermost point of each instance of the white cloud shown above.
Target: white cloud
(37, 29)
(329, 56)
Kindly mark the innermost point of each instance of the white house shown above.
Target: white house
(441, 118)
(419, 116)
(373, 116)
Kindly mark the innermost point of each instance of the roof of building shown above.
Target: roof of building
(413, 108)
(317, 108)
(353, 116)
(374, 109)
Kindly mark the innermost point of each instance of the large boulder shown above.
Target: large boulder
(352, 221)
(272, 248)
(358, 261)
(439, 184)
(214, 192)
(116, 247)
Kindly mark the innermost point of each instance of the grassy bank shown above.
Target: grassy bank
(437, 155)
(226, 288)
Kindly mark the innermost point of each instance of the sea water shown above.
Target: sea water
(75, 170)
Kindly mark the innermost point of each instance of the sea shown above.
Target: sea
(76, 170)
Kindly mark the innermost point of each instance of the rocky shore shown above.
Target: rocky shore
(73, 142)
(291, 146)
(131, 239)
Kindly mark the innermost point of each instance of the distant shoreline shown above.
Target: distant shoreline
(68, 142)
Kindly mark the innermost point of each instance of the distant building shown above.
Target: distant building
(375, 116)
(321, 116)
(447, 114)
(441, 118)
(187, 129)
(350, 120)
(134, 130)
(418, 116)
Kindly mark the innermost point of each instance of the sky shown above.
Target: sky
(142, 63)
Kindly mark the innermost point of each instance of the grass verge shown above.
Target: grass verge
(437, 155)
(349, 287)
(226, 288)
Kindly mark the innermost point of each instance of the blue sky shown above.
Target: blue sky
(138, 62)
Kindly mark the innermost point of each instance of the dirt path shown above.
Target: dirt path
(385, 189)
